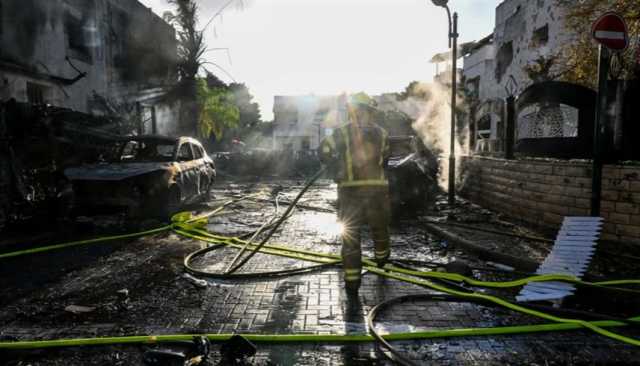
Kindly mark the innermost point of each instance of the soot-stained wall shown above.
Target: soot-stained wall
(122, 46)
(543, 192)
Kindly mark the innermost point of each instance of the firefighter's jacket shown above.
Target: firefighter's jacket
(356, 155)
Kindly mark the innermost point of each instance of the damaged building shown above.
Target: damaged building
(495, 67)
(301, 122)
(532, 134)
(103, 57)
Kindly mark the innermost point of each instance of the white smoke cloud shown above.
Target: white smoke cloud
(433, 124)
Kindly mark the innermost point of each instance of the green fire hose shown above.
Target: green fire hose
(186, 225)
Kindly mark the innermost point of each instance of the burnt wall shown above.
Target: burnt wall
(21, 24)
(143, 45)
(121, 47)
(541, 192)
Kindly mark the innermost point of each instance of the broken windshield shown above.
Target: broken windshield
(147, 151)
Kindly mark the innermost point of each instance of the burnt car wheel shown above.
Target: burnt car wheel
(172, 202)
(205, 188)
(4, 217)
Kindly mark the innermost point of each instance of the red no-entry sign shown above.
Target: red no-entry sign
(611, 31)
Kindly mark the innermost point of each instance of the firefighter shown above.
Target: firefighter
(356, 154)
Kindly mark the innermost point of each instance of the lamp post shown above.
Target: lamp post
(453, 44)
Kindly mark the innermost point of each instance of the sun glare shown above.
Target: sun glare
(324, 224)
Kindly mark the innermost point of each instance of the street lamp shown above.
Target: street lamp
(453, 44)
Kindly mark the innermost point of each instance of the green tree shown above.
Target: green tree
(580, 60)
(217, 110)
(207, 105)
(191, 48)
(249, 110)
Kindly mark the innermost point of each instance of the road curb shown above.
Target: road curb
(520, 264)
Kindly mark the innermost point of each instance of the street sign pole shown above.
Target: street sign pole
(596, 183)
(454, 94)
(611, 32)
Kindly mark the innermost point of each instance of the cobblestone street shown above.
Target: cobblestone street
(138, 288)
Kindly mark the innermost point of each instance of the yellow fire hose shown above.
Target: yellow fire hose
(194, 227)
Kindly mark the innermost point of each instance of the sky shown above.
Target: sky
(325, 47)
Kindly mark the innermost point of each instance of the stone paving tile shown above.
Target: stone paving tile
(162, 302)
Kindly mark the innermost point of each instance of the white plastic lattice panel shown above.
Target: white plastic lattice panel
(571, 254)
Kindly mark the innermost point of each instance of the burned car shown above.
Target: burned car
(146, 175)
(412, 172)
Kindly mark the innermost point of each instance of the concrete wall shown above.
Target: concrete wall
(517, 22)
(542, 192)
(480, 64)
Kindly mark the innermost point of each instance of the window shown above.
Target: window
(197, 152)
(290, 116)
(36, 93)
(484, 127)
(305, 144)
(504, 59)
(540, 36)
(147, 151)
(78, 33)
(185, 153)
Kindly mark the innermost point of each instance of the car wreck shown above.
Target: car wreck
(412, 172)
(146, 175)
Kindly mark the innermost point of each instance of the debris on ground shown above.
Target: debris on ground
(77, 309)
(147, 276)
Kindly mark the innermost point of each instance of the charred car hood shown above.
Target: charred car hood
(400, 162)
(113, 172)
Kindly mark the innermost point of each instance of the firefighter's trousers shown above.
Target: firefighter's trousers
(359, 206)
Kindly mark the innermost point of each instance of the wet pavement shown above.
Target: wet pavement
(137, 287)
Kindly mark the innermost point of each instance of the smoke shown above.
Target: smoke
(212, 6)
(433, 124)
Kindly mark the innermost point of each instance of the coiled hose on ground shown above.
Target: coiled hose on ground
(190, 227)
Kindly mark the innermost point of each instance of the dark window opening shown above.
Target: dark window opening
(35, 93)
(197, 152)
(504, 59)
(306, 144)
(185, 153)
(291, 116)
(540, 36)
(77, 38)
(120, 40)
(473, 88)
(1, 21)
(484, 127)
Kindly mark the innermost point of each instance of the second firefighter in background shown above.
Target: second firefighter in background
(356, 155)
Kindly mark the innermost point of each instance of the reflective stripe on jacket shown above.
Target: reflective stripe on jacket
(358, 155)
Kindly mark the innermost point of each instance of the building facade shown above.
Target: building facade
(94, 56)
(301, 122)
(500, 65)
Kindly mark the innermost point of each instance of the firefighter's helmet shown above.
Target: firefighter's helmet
(362, 100)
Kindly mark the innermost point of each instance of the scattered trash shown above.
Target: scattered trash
(195, 281)
(237, 348)
(503, 267)
(123, 293)
(76, 309)
(435, 352)
(201, 348)
(194, 353)
(459, 267)
(162, 357)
